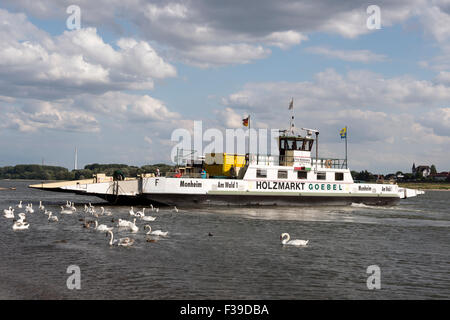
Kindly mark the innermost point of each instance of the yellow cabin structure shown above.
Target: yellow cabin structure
(221, 164)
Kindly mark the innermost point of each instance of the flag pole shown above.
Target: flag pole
(346, 134)
(249, 136)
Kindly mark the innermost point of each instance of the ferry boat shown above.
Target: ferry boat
(292, 178)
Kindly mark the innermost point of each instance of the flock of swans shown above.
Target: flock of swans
(69, 209)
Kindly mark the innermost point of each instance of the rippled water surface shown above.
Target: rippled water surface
(243, 259)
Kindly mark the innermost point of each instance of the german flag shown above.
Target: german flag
(245, 121)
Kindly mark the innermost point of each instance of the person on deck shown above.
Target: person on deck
(203, 174)
(177, 174)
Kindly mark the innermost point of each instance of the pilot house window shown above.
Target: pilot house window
(261, 173)
(339, 176)
(321, 176)
(282, 174)
(302, 174)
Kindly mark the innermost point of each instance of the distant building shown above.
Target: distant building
(441, 176)
(424, 171)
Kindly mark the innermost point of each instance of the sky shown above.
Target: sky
(133, 72)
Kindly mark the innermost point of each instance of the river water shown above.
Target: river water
(242, 258)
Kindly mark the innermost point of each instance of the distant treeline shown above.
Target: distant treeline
(39, 172)
(398, 176)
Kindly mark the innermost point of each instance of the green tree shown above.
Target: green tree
(433, 169)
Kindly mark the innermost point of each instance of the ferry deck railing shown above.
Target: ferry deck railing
(276, 160)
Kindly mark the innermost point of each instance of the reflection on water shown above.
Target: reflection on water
(223, 253)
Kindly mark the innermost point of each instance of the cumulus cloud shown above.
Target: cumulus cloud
(33, 63)
(187, 27)
(41, 115)
(439, 120)
(65, 82)
(126, 106)
(331, 90)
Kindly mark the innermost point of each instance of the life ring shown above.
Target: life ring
(328, 163)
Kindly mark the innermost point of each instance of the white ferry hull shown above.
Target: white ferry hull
(265, 200)
(233, 192)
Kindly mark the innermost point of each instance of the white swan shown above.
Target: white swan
(20, 225)
(141, 213)
(72, 207)
(285, 240)
(91, 209)
(8, 213)
(124, 242)
(148, 218)
(22, 217)
(156, 232)
(175, 209)
(66, 211)
(131, 212)
(105, 212)
(68, 204)
(29, 208)
(134, 228)
(52, 218)
(41, 207)
(102, 227)
(9, 210)
(19, 205)
(46, 212)
(124, 223)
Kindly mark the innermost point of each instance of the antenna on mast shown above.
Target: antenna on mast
(291, 124)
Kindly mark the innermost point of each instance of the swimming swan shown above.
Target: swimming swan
(124, 242)
(102, 227)
(9, 213)
(148, 218)
(156, 232)
(66, 211)
(141, 213)
(124, 223)
(105, 212)
(133, 226)
(22, 217)
(19, 225)
(29, 208)
(285, 240)
(52, 218)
